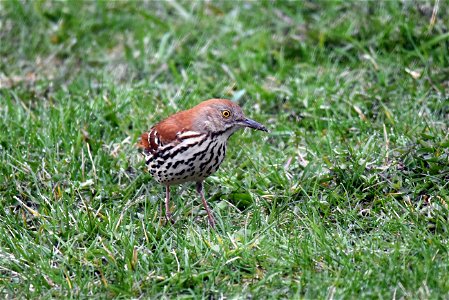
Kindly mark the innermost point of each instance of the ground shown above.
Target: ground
(346, 197)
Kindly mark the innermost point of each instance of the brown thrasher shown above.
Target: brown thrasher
(190, 145)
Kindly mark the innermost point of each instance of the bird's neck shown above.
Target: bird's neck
(224, 134)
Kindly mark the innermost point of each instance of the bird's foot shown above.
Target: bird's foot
(211, 221)
(168, 218)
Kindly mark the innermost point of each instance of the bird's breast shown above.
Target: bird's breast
(192, 158)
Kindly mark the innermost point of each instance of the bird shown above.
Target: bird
(190, 145)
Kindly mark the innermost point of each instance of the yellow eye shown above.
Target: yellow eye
(226, 113)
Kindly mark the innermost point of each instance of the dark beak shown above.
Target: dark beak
(253, 124)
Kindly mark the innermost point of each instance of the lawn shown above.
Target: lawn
(346, 197)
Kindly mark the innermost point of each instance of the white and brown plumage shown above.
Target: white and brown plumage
(190, 145)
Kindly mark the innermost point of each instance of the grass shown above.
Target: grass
(345, 198)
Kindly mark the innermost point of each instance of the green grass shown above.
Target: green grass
(346, 197)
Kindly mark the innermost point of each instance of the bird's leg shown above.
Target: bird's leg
(167, 206)
(199, 189)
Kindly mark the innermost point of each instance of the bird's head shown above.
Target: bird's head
(222, 115)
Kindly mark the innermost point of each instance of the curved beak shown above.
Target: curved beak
(252, 124)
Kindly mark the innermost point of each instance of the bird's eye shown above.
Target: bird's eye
(226, 113)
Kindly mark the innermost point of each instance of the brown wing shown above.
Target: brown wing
(150, 141)
(165, 132)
